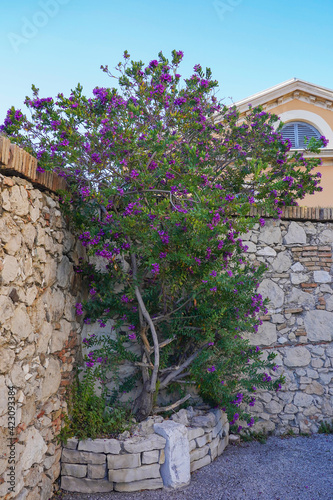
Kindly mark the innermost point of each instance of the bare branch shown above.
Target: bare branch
(161, 409)
(182, 367)
(147, 317)
(163, 344)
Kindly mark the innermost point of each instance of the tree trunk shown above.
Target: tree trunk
(143, 405)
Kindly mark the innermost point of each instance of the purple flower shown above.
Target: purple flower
(162, 255)
(156, 269)
(153, 64)
(79, 310)
(132, 336)
(211, 369)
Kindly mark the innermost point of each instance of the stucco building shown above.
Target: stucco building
(306, 110)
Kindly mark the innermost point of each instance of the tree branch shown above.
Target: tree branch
(147, 317)
(182, 367)
(161, 409)
(163, 344)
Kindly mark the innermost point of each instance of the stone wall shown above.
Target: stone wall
(38, 330)
(160, 453)
(299, 323)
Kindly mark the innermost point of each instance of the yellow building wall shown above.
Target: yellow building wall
(324, 198)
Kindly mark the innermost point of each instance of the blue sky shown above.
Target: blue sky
(249, 44)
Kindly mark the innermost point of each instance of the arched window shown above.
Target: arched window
(298, 133)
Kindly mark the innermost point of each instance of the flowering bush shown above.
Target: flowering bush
(162, 177)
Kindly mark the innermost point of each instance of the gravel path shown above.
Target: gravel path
(294, 468)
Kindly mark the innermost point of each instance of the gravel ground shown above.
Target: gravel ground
(293, 468)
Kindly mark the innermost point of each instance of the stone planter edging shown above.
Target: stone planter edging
(164, 458)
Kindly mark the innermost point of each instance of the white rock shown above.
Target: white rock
(297, 356)
(150, 457)
(139, 444)
(76, 470)
(6, 360)
(270, 234)
(200, 463)
(295, 234)
(266, 334)
(302, 399)
(52, 379)
(297, 267)
(326, 236)
(175, 471)
(282, 262)
(322, 277)
(10, 269)
(126, 461)
(270, 290)
(34, 448)
(267, 252)
(100, 446)
(300, 298)
(137, 474)
(297, 278)
(319, 325)
(85, 485)
(20, 323)
(145, 484)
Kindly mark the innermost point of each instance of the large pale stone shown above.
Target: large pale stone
(200, 463)
(202, 440)
(64, 272)
(76, 470)
(139, 444)
(266, 335)
(297, 278)
(127, 461)
(10, 269)
(20, 323)
(322, 277)
(300, 298)
(34, 448)
(297, 356)
(175, 471)
(302, 399)
(85, 485)
(326, 236)
(145, 484)
(150, 457)
(6, 360)
(267, 252)
(315, 388)
(60, 336)
(295, 234)
(82, 457)
(96, 471)
(52, 379)
(282, 262)
(6, 308)
(14, 244)
(129, 475)
(100, 446)
(199, 453)
(319, 325)
(207, 421)
(29, 234)
(180, 417)
(270, 290)
(195, 432)
(273, 407)
(270, 234)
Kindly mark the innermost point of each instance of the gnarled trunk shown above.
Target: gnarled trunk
(143, 405)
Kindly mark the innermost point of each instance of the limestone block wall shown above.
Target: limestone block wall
(158, 454)
(299, 323)
(38, 332)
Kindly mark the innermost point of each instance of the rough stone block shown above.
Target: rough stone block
(195, 432)
(199, 453)
(297, 356)
(161, 459)
(128, 461)
(217, 429)
(200, 463)
(85, 485)
(139, 444)
(222, 445)
(71, 444)
(75, 470)
(82, 457)
(192, 445)
(206, 421)
(145, 484)
(96, 471)
(100, 446)
(175, 471)
(201, 441)
(150, 457)
(138, 474)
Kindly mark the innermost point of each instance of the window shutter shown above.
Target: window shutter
(296, 132)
